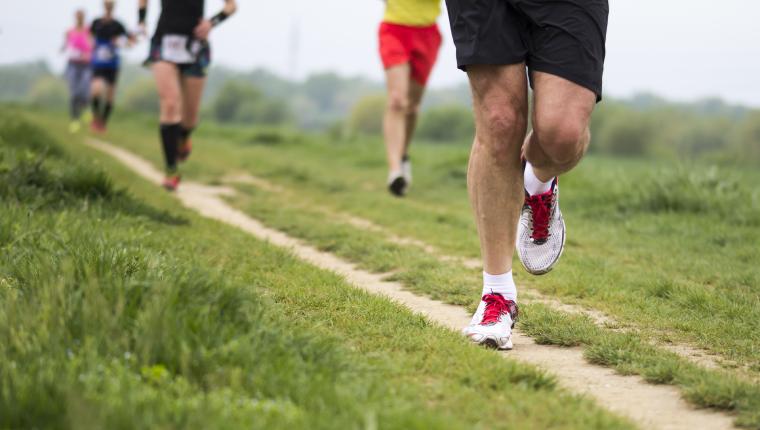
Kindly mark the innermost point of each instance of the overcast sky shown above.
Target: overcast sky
(681, 49)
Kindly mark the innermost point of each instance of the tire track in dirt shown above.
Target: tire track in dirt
(651, 406)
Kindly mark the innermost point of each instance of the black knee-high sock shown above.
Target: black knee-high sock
(170, 134)
(107, 111)
(185, 133)
(96, 107)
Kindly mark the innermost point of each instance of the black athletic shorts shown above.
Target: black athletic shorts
(197, 67)
(109, 75)
(562, 37)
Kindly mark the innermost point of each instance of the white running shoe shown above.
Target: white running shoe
(493, 321)
(406, 170)
(541, 231)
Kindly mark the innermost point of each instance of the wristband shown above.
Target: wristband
(219, 18)
(142, 14)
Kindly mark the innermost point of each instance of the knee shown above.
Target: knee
(562, 139)
(171, 107)
(398, 103)
(501, 131)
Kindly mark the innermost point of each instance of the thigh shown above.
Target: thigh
(487, 32)
(397, 81)
(498, 89)
(558, 101)
(425, 46)
(567, 39)
(416, 90)
(167, 81)
(392, 45)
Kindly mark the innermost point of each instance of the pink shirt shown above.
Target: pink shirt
(79, 45)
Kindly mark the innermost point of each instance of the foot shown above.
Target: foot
(397, 184)
(184, 150)
(74, 127)
(492, 323)
(541, 232)
(171, 182)
(97, 126)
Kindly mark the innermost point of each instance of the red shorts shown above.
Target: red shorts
(418, 46)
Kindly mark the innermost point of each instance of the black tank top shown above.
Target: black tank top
(179, 17)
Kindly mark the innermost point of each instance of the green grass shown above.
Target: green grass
(120, 309)
(665, 248)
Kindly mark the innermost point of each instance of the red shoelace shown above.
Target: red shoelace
(541, 209)
(496, 305)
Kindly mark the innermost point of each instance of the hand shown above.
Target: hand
(203, 29)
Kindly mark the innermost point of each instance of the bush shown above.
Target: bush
(244, 103)
(447, 124)
(49, 92)
(367, 115)
(142, 96)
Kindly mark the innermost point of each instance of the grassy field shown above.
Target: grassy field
(666, 248)
(119, 309)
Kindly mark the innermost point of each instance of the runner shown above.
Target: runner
(179, 56)
(77, 46)
(409, 42)
(562, 44)
(109, 34)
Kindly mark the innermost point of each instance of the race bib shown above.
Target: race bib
(104, 53)
(175, 49)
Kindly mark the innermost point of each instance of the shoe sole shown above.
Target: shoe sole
(490, 342)
(553, 263)
(398, 187)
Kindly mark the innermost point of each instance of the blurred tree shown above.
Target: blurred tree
(240, 102)
(142, 97)
(448, 123)
(49, 92)
(367, 115)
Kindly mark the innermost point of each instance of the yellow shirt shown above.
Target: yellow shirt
(418, 13)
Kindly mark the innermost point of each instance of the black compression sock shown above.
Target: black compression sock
(107, 111)
(185, 132)
(170, 134)
(405, 157)
(96, 107)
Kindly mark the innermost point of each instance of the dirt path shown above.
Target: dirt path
(696, 355)
(651, 406)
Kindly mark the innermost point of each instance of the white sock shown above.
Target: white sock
(392, 175)
(502, 284)
(533, 185)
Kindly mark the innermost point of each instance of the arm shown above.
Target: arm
(205, 26)
(65, 42)
(142, 14)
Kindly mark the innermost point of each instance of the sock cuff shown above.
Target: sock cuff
(502, 284)
(504, 278)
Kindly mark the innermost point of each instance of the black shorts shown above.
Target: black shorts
(198, 68)
(562, 37)
(108, 75)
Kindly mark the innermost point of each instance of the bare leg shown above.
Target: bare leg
(97, 90)
(561, 115)
(394, 121)
(170, 97)
(416, 90)
(494, 177)
(192, 91)
(169, 92)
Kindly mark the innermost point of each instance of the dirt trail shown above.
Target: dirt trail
(696, 355)
(650, 406)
